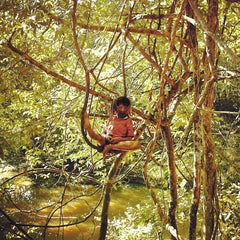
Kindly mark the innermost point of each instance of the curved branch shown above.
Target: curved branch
(84, 108)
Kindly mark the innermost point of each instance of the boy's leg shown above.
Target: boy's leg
(91, 132)
(122, 146)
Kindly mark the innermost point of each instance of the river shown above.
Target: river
(28, 204)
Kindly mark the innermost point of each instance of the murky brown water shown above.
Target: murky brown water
(46, 200)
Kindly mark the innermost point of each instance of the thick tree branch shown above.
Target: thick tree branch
(151, 17)
(196, 109)
(206, 29)
(130, 29)
(148, 57)
(171, 45)
(71, 83)
(75, 36)
(54, 74)
(133, 30)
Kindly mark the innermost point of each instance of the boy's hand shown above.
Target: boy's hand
(113, 140)
(109, 139)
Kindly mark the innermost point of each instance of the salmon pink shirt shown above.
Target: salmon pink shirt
(119, 127)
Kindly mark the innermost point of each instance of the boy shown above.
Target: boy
(118, 133)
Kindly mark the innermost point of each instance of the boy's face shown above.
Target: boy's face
(122, 109)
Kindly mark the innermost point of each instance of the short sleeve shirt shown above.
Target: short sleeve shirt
(119, 127)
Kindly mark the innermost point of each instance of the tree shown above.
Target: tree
(166, 56)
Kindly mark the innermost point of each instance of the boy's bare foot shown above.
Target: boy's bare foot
(86, 121)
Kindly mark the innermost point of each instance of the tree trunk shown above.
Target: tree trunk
(173, 176)
(197, 128)
(209, 168)
(111, 176)
(209, 175)
(197, 178)
(109, 185)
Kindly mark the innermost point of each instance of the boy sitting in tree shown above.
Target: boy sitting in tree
(118, 133)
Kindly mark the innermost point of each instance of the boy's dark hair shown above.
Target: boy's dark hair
(121, 100)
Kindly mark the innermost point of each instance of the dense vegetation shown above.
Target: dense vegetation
(178, 61)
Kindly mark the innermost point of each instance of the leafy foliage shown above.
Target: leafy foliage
(126, 47)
